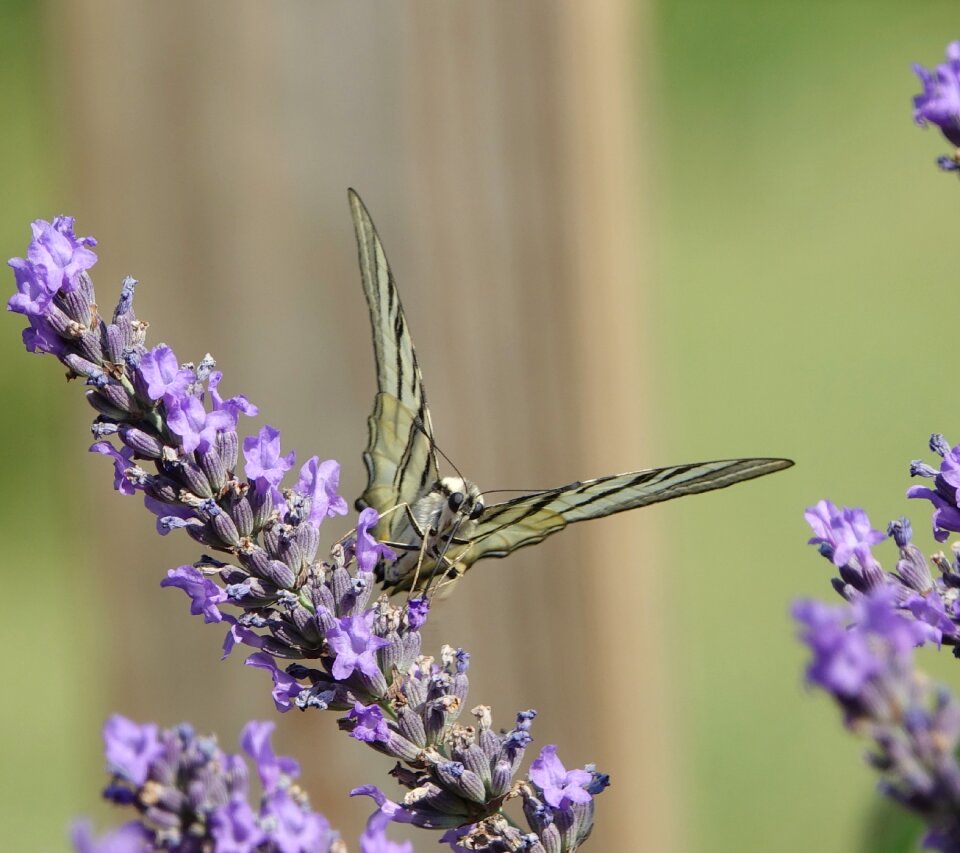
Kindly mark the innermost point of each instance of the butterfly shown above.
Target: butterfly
(440, 526)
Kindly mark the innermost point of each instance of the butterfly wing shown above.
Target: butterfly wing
(400, 458)
(529, 519)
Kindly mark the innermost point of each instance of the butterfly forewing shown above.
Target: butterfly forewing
(400, 456)
(529, 519)
(403, 476)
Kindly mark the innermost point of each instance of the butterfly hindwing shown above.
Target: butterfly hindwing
(400, 455)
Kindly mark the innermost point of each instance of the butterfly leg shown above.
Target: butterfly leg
(442, 558)
(451, 573)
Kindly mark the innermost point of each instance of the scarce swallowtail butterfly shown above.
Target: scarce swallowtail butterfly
(440, 526)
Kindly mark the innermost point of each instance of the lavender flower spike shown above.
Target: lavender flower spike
(863, 657)
(191, 796)
(939, 102)
(311, 618)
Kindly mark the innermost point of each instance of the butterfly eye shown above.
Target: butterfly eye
(477, 510)
(455, 501)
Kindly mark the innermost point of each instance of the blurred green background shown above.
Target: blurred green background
(796, 251)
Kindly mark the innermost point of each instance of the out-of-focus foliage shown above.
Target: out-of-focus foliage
(45, 666)
(805, 256)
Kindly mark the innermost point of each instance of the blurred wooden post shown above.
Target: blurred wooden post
(496, 148)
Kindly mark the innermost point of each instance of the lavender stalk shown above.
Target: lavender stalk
(326, 643)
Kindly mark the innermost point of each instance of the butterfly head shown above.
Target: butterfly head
(462, 499)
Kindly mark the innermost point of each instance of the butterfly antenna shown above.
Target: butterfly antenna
(486, 492)
(418, 423)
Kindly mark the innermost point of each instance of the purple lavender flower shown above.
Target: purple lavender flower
(121, 463)
(197, 428)
(374, 838)
(939, 103)
(370, 725)
(255, 740)
(294, 828)
(205, 595)
(318, 482)
(368, 551)
(944, 496)
(354, 646)
(57, 255)
(234, 828)
(131, 749)
(843, 534)
(561, 787)
(129, 838)
(286, 688)
(262, 457)
(162, 374)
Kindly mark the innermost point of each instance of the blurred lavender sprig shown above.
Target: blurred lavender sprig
(863, 657)
(311, 619)
(190, 796)
(863, 651)
(939, 102)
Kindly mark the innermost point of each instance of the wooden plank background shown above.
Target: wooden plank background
(497, 148)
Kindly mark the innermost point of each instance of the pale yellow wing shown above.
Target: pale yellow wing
(400, 458)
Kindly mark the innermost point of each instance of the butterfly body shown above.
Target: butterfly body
(434, 533)
(441, 526)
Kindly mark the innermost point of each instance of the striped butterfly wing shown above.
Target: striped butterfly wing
(529, 519)
(400, 458)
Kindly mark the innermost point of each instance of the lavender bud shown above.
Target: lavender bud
(412, 643)
(202, 533)
(939, 445)
(195, 480)
(901, 531)
(411, 726)
(114, 344)
(89, 345)
(289, 552)
(389, 656)
(261, 502)
(474, 758)
(104, 407)
(212, 466)
(288, 635)
(913, 570)
(501, 778)
(462, 781)
(228, 448)
(163, 489)
(83, 367)
(279, 573)
(225, 529)
(375, 684)
(118, 397)
(76, 305)
(308, 538)
(401, 748)
(305, 623)
(142, 443)
(242, 515)
(271, 539)
(254, 559)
